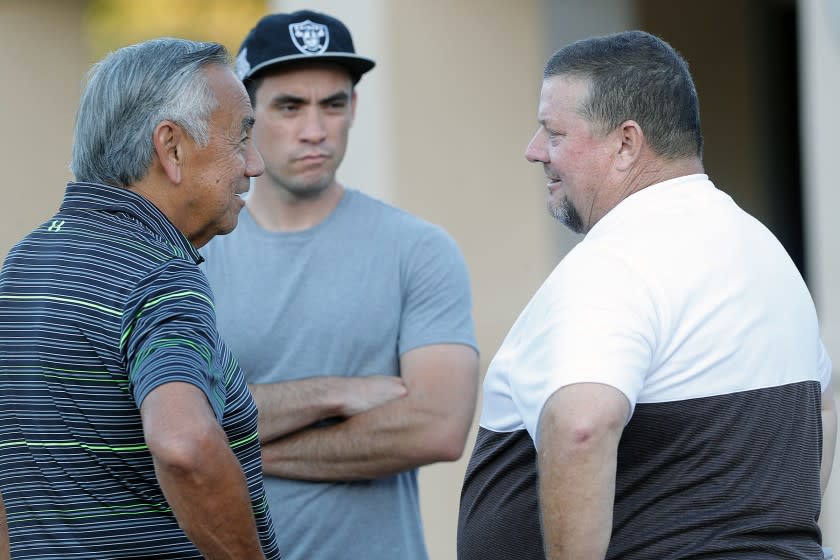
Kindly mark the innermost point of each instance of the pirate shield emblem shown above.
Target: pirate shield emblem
(310, 37)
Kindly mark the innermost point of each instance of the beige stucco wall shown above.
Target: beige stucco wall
(465, 85)
(442, 125)
(42, 64)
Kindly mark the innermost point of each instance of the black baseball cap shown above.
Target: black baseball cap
(299, 36)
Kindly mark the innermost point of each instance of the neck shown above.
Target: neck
(662, 170)
(278, 210)
(647, 171)
(156, 190)
(655, 170)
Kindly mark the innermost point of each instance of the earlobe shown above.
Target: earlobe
(167, 139)
(353, 99)
(632, 139)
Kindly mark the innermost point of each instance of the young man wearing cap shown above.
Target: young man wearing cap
(350, 318)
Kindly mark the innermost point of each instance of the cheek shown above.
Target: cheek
(275, 134)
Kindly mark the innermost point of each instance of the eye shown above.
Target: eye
(338, 106)
(553, 135)
(287, 108)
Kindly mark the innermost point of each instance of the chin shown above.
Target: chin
(229, 226)
(309, 191)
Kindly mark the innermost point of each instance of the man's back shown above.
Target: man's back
(725, 436)
(88, 297)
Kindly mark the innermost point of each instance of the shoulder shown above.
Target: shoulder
(119, 248)
(176, 282)
(365, 204)
(412, 232)
(588, 260)
(596, 274)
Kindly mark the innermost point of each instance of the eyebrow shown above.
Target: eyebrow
(296, 100)
(247, 123)
(339, 96)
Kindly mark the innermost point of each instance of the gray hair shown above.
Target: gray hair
(129, 93)
(634, 75)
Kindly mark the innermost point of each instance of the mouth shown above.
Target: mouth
(553, 183)
(313, 158)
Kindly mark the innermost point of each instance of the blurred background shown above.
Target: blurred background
(443, 121)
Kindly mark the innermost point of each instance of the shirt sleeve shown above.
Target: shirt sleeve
(595, 322)
(437, 302)
(169, 334)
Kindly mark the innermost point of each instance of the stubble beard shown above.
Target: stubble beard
(567, 214)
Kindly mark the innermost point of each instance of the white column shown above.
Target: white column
(819, 35)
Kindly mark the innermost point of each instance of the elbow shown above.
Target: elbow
(451, 453)
(449, 444)
(184, 453)
(578, 435)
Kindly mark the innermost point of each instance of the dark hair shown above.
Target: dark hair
(251, 86)
(128, 93)
(634, 75)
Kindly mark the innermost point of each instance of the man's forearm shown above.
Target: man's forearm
(576, 493)
(381, 442)
(288, 406)
(211, 502)
(580, 427)
(198, 473)
(214, 511)
(429, 422)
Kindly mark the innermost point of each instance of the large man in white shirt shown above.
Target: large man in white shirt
(665, 394)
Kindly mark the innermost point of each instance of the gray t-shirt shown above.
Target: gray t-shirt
(346, 297)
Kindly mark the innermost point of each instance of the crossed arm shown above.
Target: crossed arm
(200, 476)
(390, 424)
(580, 428)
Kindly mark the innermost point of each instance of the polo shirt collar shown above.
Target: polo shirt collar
(95, 196)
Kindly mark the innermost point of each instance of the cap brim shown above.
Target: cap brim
(356, 65)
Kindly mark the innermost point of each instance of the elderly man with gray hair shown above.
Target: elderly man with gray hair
(127, 429)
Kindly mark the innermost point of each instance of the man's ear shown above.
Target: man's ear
(353, 100)
(632, 141)
(168, 140)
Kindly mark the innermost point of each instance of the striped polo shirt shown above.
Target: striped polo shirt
(99, 306)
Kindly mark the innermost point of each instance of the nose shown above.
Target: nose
(313, 130)
(254, 164)
(536, 151)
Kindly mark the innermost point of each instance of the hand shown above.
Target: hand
(365, 393)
